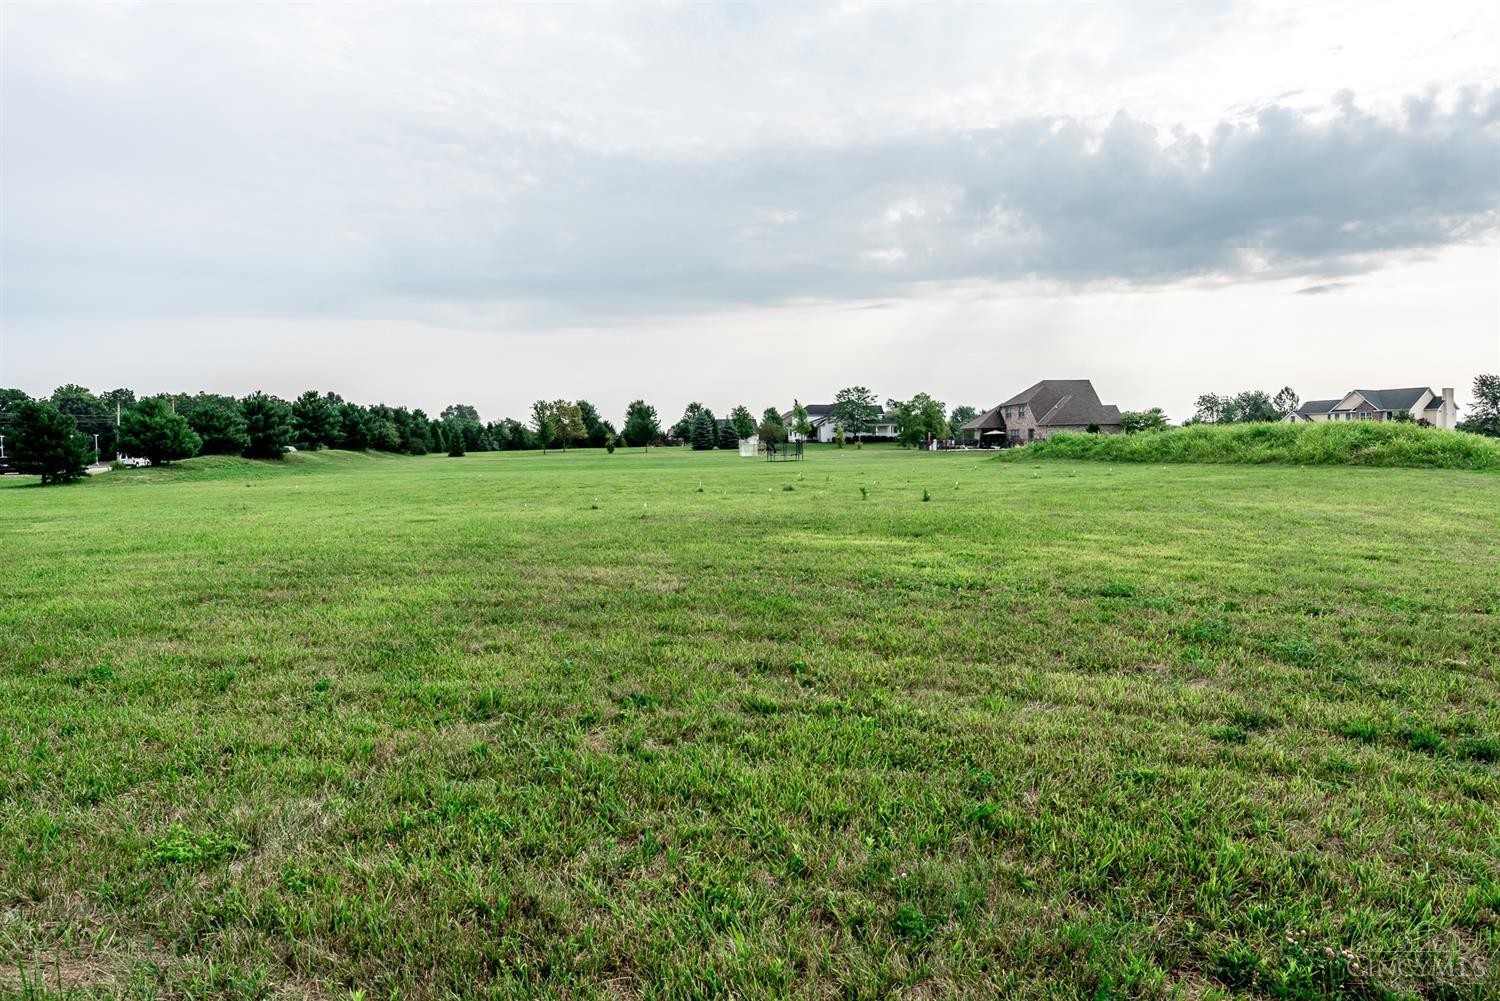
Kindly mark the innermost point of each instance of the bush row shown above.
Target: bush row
(1374, 443)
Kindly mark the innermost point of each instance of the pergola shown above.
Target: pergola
(986, 428)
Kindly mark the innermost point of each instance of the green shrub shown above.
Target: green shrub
(1356, 443)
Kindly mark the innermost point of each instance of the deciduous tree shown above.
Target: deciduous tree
(918, 418)
(959, 417)
(741, 421)
(544, 422)
(1484, 413)
(856, 411)
(771, 432)
(569, 418)
(801, 425)
(1136, 421)
(91, 415)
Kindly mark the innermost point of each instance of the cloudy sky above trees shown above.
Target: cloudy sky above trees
(422, 204)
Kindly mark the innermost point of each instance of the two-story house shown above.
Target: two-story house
(1043, 410)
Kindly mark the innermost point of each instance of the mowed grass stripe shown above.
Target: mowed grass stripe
(568, 725)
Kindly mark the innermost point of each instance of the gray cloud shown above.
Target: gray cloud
(236, 174)
(433, 213)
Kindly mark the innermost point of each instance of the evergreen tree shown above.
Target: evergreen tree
(703, 432)
(642, 426)
(45, 442)
(728, 436)
(220, 428)
(683, 429)
(268, 425)
(10, 399)
(354, 433)
(152, 431)
(596, 430)
(315, 422)
(456, 443)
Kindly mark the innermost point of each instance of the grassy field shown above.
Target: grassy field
(684, 725)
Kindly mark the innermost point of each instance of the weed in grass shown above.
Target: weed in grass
(1293, 650)
(1251, 719)
(910, 923)
(1478, 747)
(180, 846)
(1206, 631)
(926, 495)
(1423, 738)
(1363, 730)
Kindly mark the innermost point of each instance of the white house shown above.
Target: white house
(825, 428)
(1381, 405)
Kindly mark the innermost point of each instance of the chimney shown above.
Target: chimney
(1450, 412)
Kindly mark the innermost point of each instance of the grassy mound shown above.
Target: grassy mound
(215, 467)
(1325, 444)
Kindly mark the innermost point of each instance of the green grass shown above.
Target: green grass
(924, 725)
(1351, 443)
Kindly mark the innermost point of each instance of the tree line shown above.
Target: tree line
(57, 436)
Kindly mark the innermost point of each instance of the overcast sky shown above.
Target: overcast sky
(425, 204)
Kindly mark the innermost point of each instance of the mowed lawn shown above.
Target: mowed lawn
(688, 725)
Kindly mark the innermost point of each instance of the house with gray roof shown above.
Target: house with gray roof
(825, 428)
(1382, 405)
(1043, 410)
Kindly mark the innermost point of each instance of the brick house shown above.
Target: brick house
(1043, 410)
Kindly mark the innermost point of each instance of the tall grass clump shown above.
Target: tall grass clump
(1372, 443)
